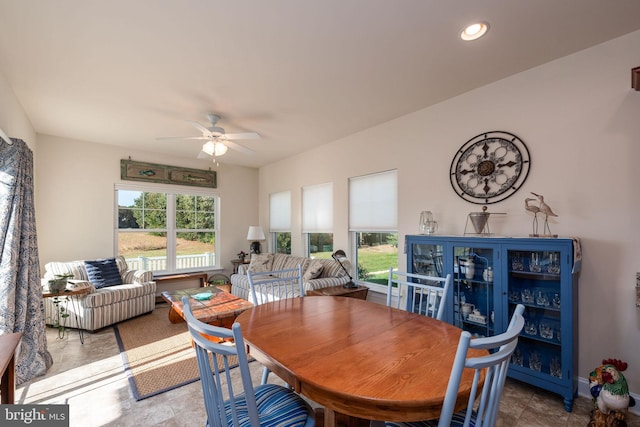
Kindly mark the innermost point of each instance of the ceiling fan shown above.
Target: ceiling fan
(218, 141)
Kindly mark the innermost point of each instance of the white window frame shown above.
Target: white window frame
(279, 215)
(171, 230)
(374, 209)
(317, 211)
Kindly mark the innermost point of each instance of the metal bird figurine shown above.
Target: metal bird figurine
(546, 210)
(535, 209)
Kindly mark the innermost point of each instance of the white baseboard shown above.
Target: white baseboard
(583, 390)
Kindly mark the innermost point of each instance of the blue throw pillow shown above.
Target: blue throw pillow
(103, 272)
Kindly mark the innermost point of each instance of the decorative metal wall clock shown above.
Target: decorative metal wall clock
(490, 167)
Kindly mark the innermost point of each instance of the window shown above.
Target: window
(166, 231)
(280, 221)
(373, 224)
(317, 219)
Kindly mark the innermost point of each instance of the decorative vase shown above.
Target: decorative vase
(427, 224)
(470, 271)
(57, 286)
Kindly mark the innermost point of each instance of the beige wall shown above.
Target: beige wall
(13, 120)
(75, 199)
(581, 121)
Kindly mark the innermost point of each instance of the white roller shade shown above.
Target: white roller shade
(317, 208)
(280, 211)
(373, 202)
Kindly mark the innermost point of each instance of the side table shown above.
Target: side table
(359, 292)
(237, 263)
(8, 345)
(64, 298)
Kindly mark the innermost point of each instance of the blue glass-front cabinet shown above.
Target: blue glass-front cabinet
(491, 275)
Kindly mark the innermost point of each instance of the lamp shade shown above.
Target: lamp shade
(255, 233)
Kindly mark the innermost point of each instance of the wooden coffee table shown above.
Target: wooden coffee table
(220, 310)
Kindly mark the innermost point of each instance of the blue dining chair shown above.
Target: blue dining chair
(426, 294)
(268, 286)
(263, 405)
(494, 365)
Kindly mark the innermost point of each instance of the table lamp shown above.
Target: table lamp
(340, 256)
(254, 235)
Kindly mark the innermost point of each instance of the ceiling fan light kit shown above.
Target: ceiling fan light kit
(218, 141)
(214, 149)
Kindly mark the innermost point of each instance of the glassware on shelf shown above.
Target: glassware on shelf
(546, 330)
(514, 296)
(527, 296)
(534, 263)
(530, 328)
(554, 263)
(534, 361)
(556, 301)
(554, 368)
(517, 358)
(542, 299)
(516, 263)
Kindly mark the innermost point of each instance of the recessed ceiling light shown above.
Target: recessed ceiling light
(474, 31)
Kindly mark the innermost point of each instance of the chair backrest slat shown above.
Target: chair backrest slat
(418, 293)
(213, 348)
(494, 366)
(275, 285)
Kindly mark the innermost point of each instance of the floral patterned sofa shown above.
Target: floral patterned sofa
(132, 294)
(316, 273)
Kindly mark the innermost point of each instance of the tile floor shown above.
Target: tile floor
(90, 378)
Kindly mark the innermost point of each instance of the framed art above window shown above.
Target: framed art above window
(164, 174)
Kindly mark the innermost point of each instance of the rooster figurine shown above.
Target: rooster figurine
(610, 394)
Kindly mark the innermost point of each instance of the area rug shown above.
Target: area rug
(157, 354)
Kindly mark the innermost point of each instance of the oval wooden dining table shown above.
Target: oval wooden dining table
(357, 358)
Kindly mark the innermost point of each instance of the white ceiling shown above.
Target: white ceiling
(298, 72)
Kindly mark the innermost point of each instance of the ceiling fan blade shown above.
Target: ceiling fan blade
(244, 135)
(176, 138)
(201, 128)
(237, 147)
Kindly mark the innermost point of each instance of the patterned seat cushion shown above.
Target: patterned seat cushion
(277, 406)
(286, 262)
(314, 269)
(331, 268)
(114, 294)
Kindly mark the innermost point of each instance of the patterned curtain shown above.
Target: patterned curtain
(21, 307)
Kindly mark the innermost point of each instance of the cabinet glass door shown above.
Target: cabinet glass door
(473, 290)
(427, 259)
(534, 281)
